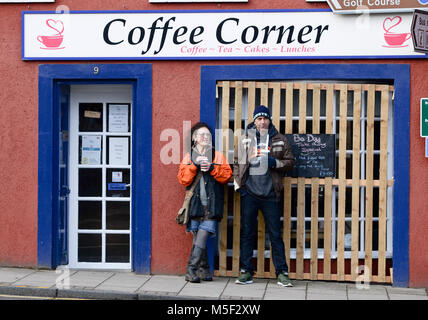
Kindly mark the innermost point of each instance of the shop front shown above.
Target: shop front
(112, 92)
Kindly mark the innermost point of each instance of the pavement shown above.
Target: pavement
(112, 285)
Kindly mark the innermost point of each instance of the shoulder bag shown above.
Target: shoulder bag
(183, 214)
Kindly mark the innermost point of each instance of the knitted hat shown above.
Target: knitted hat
(261, 111)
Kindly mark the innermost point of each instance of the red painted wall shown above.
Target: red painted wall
(175, 99)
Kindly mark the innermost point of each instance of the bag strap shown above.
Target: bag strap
(195, 182)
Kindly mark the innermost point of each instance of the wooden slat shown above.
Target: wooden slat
(315, 188)
(237, 195)
(287, 180)
(287, 219)
(251, 100)
(382, 177)
(276, 104)
(261, 244)
(342, 184)
(264, 94)
(369, 178)
(301, 192)
(289, 108)
(223, 224)
(355, 182)
(328, 189)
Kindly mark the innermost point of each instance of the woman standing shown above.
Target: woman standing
(206, 205)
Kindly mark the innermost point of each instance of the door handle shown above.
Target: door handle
(64, 191)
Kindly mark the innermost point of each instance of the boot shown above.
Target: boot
(192, 266)
(204, 267)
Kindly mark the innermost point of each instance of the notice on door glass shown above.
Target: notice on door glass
(118, 118)
(116, 176)
(118, 151)
(91, 150)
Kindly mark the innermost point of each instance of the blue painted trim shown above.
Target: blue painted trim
(398, 73)
(195, 58)
(140, 75)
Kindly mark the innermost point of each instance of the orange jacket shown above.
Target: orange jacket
(187, 171)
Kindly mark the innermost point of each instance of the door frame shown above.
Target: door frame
(398, 73)
(51, 76)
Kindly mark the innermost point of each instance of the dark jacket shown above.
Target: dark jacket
(280, 151)
(219, 174)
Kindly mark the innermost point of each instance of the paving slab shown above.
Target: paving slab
(125, 282)
(371, 293)
(255, 290)
(10, 275)
(412, 291)
(321, 296)
(276, 292)
(396, 296)
(41, 278)
(163, 284)
(209, 289)
(88, 279)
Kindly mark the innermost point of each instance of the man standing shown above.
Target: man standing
(262, 157)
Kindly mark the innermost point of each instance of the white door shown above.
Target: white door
(100, 176)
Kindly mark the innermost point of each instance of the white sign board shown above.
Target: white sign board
(91, 150)
(278, 34)
(118, 151)
(118, 118)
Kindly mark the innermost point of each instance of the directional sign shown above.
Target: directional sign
(424, 117)
(360, 6)
(420, 30)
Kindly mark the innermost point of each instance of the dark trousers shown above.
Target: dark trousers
(271, 212)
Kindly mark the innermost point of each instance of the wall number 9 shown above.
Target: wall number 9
(96, 70)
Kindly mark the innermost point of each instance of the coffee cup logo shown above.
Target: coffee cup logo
(54, 41)
(392, 38)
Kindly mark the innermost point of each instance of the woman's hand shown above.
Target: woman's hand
(204, 163)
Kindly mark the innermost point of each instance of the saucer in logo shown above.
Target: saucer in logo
(423, 2)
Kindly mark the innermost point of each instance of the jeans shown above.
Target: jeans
(271, 212)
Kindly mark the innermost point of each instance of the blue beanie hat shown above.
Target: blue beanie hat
(261, 111)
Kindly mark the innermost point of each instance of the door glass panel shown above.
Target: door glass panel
(89, 247)
(90, 213)
(117, 248)
(90, 117)
(90, 182)
(117, 187)
(117, 214)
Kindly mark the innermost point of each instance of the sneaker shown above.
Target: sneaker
(284, 280)
(244, 278)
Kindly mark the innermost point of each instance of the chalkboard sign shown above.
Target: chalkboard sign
(315, 155)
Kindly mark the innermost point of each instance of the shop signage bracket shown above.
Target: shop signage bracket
(420, 30)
